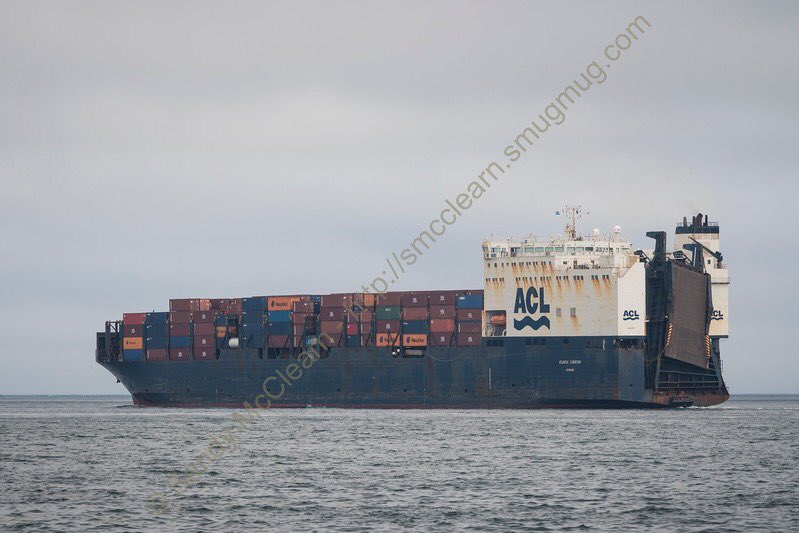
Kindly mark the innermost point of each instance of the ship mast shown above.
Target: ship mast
(573, 214)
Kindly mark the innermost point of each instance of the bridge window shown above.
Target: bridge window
(573, 312)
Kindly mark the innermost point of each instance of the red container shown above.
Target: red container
(330, 339)
(367, 315)
(180, 317)
(203, 304)
(466, 315)
(204, 328)
(133, 331)
(469, 339)
(180, 354)
(337, 300)
(184, 304)
(299, 318)
(442, 311)
(331, 313)
(442, 325)
(205, 354)
(157, 354)
(470, 327)
(133, 319)
(363, 300)
(414, 313)
(352, 328)
(442, 298)
(302, 307)
(331, 327)
(279, 341)
(179, 330)
(385, 326)
(414, 299)
(204, 341)
(234, 307)
(203, 316)
(442, 339)
(220, 304)
(388, 299)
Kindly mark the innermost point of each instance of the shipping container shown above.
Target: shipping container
(331, 313)
(470, 301)
(331, 327)
(470, 327)
(279, 341)
(442, 339)
(300, 318)
(204, 328)
(366, 327)
(205, 353)
(353, 340)
(388, 299)
(133, 355)
(133, 319)
(337, 300)
(157, 330)
(282, 303)
(388, 312)
(204, 304)
(157, 354)
(187, 304)
(136, 330)
(414, 313)
(179, 317)
(279, 328)
(443, 325)
(470, 315)
(180, 354)
(303, 307)
(414, 299)
(364, 300)
(414, 339)
(204, 341)
(352, 328)
(133, 343)
(203, 316)
(469, 339)
(383, 326)
(221, 332)
(179, 330)
(157, 317)
(442, 311)
(220, 304)
(234, 307)
(415, 326)
(254, 331)
(279, 316)
(180, 342)
(299, 329)
(387, 339)
(442, 298)
(156, 342)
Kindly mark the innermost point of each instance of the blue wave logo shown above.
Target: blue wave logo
(534, 323)
(717, 315)
(631, 314)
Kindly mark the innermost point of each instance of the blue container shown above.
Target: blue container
(156, 330)
(415, 326)
(353, 340)
(180, 342)
(254, 304)
(133, 355)
(279, 316)
(158, 343)
(252, 335)
(470, 301)
(317, 299)
(280, 328)
(157, 318)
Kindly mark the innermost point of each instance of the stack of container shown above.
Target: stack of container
(331, 317)
(415, 326)
(133, 336)
(179, 334)
(302, 320)
(388, 319)
(156, 334)
(204, 330)
(442, 318)
(470, 319)
(253, 329)
(279, 320)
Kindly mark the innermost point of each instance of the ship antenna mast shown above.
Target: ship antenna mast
(573, 214)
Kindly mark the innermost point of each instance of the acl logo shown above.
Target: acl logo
(630, 314)
(530, 302)
(717, 315)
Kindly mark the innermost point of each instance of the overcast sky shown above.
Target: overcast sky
(150, 151)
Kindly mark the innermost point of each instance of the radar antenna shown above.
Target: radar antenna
(573, 214)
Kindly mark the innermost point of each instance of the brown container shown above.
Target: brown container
(387, 299)
(414, 299)
(414, 339)
(180, 354)
(157, 354)
(442, 311)
(414, 313)
(442, 298)
(387, 339)
(465, 315)
(302, 307)
(133, 319)
(281, 303)
(383, 326)
(185, 304)
(203, 316)
(204, 341)
(220, 304)
(469, 339)
(299, 329)
(205, 354)
(179, 317)
(204, 328)
(279, 341)
(470, 327)
(442, 325)
(234, 307)
(179, 330)
(366, 327)
(133, 331)
(364, 300)
(331, 327)
(330, 339)
(203, 304)
(337, 300)
(442, 338)
(300, 318)
(367, 339)
(352, 328)
(331, 313)
(133, 343)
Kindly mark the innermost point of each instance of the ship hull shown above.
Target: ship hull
(563, 373)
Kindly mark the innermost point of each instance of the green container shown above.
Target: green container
(393, 312)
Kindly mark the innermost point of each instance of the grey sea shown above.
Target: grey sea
(98, 463)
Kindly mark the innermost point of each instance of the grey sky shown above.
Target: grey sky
(150, 151)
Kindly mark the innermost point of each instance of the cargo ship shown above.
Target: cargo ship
(566, 321)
